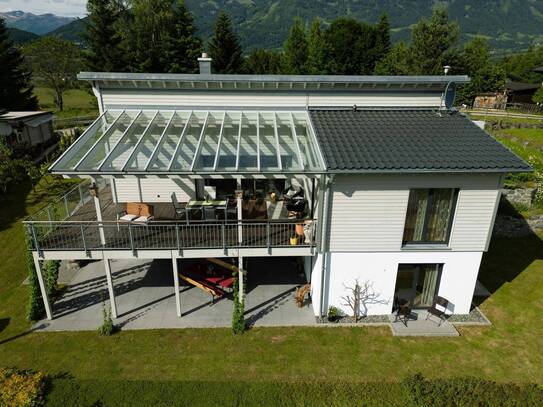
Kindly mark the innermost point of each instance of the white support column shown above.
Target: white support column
(110, 289)
(99, 214)
(176, 287)
(43, 289)
(241, 272)
(239, 200)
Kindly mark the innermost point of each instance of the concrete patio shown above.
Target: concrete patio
(145, 298)
(418, 325)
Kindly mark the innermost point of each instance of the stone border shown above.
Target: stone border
(371, 320)
(474, 318)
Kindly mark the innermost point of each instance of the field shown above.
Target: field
(77, 102)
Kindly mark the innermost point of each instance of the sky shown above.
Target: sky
(67, 8)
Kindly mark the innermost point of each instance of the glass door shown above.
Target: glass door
(418, 283)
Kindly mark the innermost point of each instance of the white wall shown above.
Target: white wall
(368, 211)
(457, 285)
(154, 189)
(168, 99)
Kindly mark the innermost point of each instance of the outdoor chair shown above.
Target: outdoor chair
(403, 312)
(438, 308)
(136, 212)
(179, 208)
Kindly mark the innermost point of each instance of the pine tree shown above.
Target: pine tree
(316, 64)
(103, 37)
(224, 47)
(295, 49)
(183, 47)
(16, 89)
(382, 41)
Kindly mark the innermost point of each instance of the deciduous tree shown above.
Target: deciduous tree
(16, 90)
(295, 49)
(224, 47)
(263, 62)
(316, 63)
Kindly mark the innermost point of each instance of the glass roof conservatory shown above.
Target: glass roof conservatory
(178, 142)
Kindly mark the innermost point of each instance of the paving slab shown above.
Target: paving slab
(418, 325)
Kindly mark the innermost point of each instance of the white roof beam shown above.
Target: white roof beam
(157, 146)
(238, 149)
(296, 141)
(181, 137)
(277, 146)
(216, 161)
(199, 145)
(139, 141)
(258, 141)
(98, 141)
(118, 142)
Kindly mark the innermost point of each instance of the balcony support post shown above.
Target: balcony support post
(43, 289)
(176, 287)
(99, 216)
(110, 289)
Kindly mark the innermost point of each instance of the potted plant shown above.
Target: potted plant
(333, 314)
(294, 240)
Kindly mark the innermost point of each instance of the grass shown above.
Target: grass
(77, 102)
(510, 350)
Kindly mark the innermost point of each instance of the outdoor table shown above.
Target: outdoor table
(202, 203)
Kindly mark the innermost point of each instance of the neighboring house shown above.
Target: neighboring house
(520, 92)
(490, 100)
(400, 192)
(30, 128)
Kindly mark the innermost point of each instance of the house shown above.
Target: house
(362, 178)
(520, 92)
(26, 128)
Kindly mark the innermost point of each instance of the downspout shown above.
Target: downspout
(325, 239)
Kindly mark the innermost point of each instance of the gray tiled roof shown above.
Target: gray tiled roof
(400, 140)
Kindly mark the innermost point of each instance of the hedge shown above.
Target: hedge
(414, 391)
(21, 388)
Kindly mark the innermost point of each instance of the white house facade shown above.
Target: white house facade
(365, 179)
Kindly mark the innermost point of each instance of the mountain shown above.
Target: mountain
(71, 31)
(37, 24)
(21, 37)
(509, 24)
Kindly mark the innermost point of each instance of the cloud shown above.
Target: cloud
(72, 8)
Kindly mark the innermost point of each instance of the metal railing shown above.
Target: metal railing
(66, 205)
(157, 235)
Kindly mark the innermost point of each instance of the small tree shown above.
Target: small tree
(359, 297)
(224, 47)
(538, 96)
(55, 62)
(107, 328)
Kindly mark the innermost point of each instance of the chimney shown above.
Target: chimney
(205, 64)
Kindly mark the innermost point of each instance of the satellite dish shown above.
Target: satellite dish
(449, 95)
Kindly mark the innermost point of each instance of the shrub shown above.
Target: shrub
(20, 388)
(238, 318)
(50, 271)
(107, 328)
(333, 313)
(36, 309)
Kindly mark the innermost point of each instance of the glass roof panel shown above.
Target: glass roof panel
(229, 143)
(268, 142)
(307, 147)
(86, 141)
(110, 137)
(248, 149)
(168, 143)
(210, 142)
(182, 160)
(289, 152)
(126, 144)
(142, 152)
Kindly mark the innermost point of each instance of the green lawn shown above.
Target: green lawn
(77, 102)
(510, 350)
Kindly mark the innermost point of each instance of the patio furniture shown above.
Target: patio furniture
(438, 308)
(216, 204)
(137, 212)
(403, 311)
(209, 213)
(179, 208)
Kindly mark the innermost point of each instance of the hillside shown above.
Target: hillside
(510, 25)
(21, 37)
(37, 24)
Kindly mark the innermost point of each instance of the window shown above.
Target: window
(429, 216)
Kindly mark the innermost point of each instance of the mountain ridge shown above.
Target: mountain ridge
(39, 24)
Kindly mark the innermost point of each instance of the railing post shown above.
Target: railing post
(83, 239)
(35, 238)
(178, 239)
(131, 238)
(223, 237)
(66, 206)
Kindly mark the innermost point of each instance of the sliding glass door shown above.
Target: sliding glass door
(418, 283)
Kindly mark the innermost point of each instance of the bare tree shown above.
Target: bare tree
(359, 297)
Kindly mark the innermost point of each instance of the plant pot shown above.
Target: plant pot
(294, 241)
(300, 229)
(332, 319)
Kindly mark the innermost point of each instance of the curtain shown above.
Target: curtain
(439, 215)
(416, 212)
(429, 286)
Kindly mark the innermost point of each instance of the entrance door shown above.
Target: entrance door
(418, 283)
